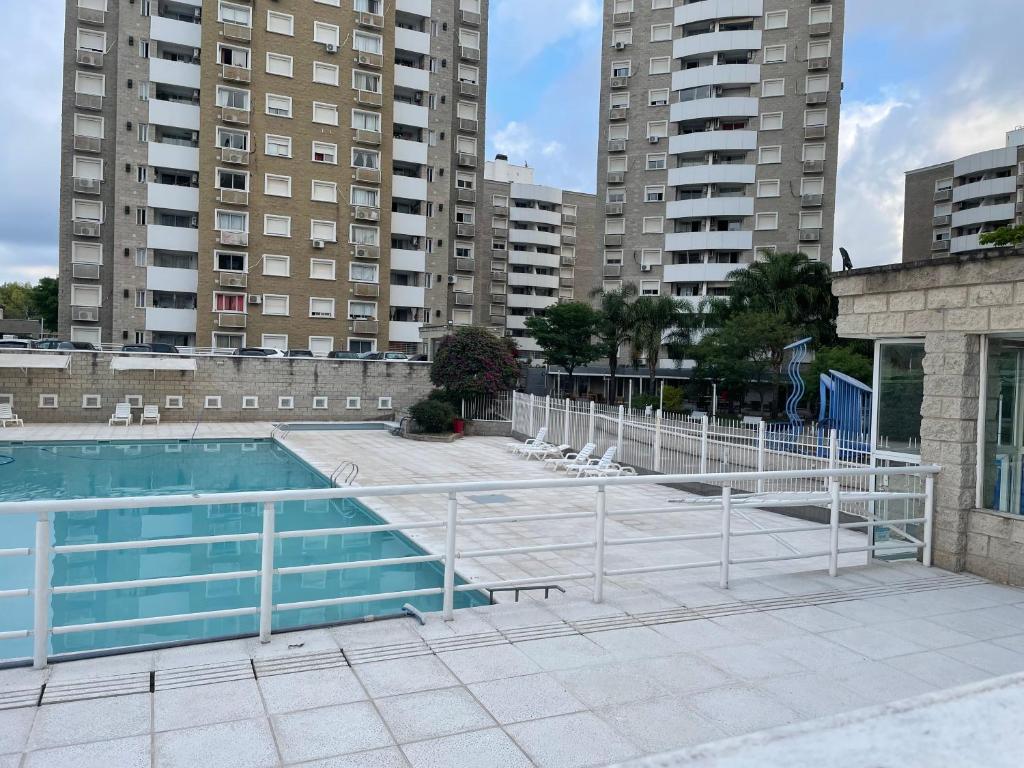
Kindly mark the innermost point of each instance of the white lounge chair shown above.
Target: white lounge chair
(538, 440)
(7, 416)
(150, 413)
(579, 458)
(604, 462)
(612, 470)
(542, 452)
(122, 414)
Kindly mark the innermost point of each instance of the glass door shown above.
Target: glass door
(1004, 426)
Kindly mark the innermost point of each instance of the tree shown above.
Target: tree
(612, 328)
(473, 361)
(16, 299)
(654, 321)
(45, 301)
(565, 332)
(850, 358)
(1004, 237)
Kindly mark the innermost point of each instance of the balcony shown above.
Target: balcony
(613, 240)
(411, 114)
(369, 138)
(232, 197)
(173, 31)
(234, 156)
(89, 58)
(984, 214)
(172, 197)
(365, 59)
(370, 20)
(940, 245)
(232, 238)
(410, 151)
(533, 259)
(821, 29)
(613, 209)
(616, 177)
(412, 224)
(535, 215)
(365, 327)
(622, 18)
(466, 160)
(408, 261)
(820, 97)
(533, 280)
(568, 239)
(942, 195)
(568, 218)
(231, 319)
(535, 237)
(712, 42)
(173, 156)
(412, 40)
(713, 141)
(232, 279)
(941, 221)
(499, 276)
(469, 54)
(91, 16)
(612, 270)
(367, 175)
(88, 144)
(698, 273)
(164, 238)
(86, 186)
(616, 145)
(810, 235)
(170, 320)
(470, 90)
(465, 195)
(814, 166)
(366, 290)
(89, 101)
(234, 116)
(365, 213)
(366, 251)
(465, 230)
(85, 271)
(618, 113)
(814, 131)
(235, 74)
(85, 314)
(465, 263)
(84, 228)
(408, 188)
(706, 109)
(716, 9)
(710, 207)
(818, 65)
(985, 188)
(719, 173)
(171, 279)
(369, 98)
(174, 114)
(811, 201)
(463, 299)
(235, 31)
(470, 18)
(177, 73)
(736, 240)
(467, 125)
(412, 78)
(717, 74)
(404, 331)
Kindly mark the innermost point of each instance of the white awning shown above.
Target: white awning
(25, 360)
(153, 364)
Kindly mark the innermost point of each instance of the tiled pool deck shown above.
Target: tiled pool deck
(667, 661)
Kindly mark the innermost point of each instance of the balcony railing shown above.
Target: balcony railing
(89, 58)
(234, 156)
(364, 327)
(89, 101)
(85, 314)
(235, 31)
(235, 74)
(85, 228)
(228, 237)
(234, 115)
(366, 290)
(86, 186)
(233, 196)
(231, 319)
(88, 144)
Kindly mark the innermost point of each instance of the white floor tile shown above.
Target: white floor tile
(429, 714)
(121, 753)
(314, 734)
(491, 748)
(238, 744)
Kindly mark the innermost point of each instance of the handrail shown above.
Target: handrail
(348, 471)
(726, 507)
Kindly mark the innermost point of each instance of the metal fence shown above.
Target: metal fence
(833, 488)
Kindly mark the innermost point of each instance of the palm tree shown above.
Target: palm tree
(654, 321)
(613, 327)
(790, 286)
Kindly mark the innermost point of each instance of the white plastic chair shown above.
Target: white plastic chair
(150, 413)
(581, 457)
(603, 463)
(7, 416)
(122, 414)
(611, 470)
(538, 440)
(543, 452)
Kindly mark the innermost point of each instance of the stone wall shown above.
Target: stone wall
(231, 379)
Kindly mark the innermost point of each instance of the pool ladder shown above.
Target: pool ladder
(281, 429)
(345, 474)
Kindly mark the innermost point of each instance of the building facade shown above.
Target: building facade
(278, 175)
(718, 138)
(950, 205)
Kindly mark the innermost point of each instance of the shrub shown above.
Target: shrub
(473, 361)
(433, 416)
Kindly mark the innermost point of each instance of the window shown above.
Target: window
(654, 194)
(661, 65)
(366, 81)
(365, 197)
(657, 97)
(384, 404)
(86, 296)
(86, 253)
(771, 121)
(324, 191)
(141, 257)
(776, 20)
(91, 40)
(229, 302)
(656, 162)
(814, 152)
(275, 304)
(819, 50)
(326, 34)
(774, 54)
(366, 121)
(87, 125)
(87, 210)
(90, 84)
(279, 106)
(140, 217)
(276, 266)
(817, 187)
(231, 221)
(320, 402)
(228, 179)
(285, 402)
(650, 256)
(465, 145)
(661, 32)
(817, 84)
(174, 402)
(769, 188)
(280, 23)
(212, 401)
(466, 110)
(650, 287)
(616, 226)
(469, 74)
(469, 38)
(768, 155)
(775, 87)
(277, 186)
(622, 37)
(619, 100)
(764, 221)
(363, 273)
(325, 153)
(232, 56)
(229, 138)
(653, 225)
(232, 98)
(325, 73)
(365, 158)
(367, 43)
(362, 310)
(279, 64)
(277, 226)
(814, 117)
(361, 235)
(820, 14)
(325, 113)
(230, 262)
(89, 168)
(278, 146)
(323, 230)
(274, 340)
(321, 307)
(234, 14)
(321, 269)
(810, 220)
(352, 403)
(658, 128)
(659, 4)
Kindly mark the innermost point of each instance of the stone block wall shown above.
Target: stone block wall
(232, 379)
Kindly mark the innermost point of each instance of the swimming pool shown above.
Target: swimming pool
(152, 468)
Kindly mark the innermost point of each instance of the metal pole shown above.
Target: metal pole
(979, 472)
(601, 509)
(267, 572)
(833, 549)
(566, 428)
(448, 606)
(41, 593)
(463, 409)
(630, 401)
(704, 444)
(547, 411)
(723, 571)
(618, 439)
(761, 429)
(833, 450)
(929, 519)
(657, 441)
(714, 398)
(532, 433)
(661, 398)
(593, 421)
(515, 397)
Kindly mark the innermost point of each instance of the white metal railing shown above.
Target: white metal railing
(839, 492)
(488, 408)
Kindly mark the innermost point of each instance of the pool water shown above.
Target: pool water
(94, 470)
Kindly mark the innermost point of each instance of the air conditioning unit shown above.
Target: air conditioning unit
(318, 244)
(194, 221)
(645, 267)
(619, 46)
(331, 48)
(85, 314)
(255, 298)
(451, 279)
(653, 139)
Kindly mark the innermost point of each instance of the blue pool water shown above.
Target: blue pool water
(93, 470)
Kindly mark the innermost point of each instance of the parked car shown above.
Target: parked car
(255, 352)
(340, 354)
(15, 344)
(299, 353)
(81, 346)
(418, 359)
(166, 349)
(385, 356)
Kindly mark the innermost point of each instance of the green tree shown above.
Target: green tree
(655, 321)
(16, 299)
(45, 301)
(851, 359)
(565, 333)
(473, 361)
(612, 328)
(1004, 237)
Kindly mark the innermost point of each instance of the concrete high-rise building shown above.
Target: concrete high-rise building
(949, 205)
(718, 138)
(279, 174)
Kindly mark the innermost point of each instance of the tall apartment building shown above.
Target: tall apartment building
(718, 139)
(949, 205)
(276, 174)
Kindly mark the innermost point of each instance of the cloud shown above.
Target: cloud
(522, 30)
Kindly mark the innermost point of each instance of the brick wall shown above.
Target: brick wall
(230, 378)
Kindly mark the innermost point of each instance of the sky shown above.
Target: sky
(925, 81)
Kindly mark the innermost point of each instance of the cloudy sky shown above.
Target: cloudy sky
(920, 87)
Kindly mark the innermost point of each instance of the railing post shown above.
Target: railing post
(448, 606)
(601, 516)
(929, 519)
(267, 572)
(512, 416)
(547, 411)
(463, 408)
(761, 429)
(833, 450)
(723, 570)
(593, 421)
(41, 593)
(618, 439)
(833, 524)
(531, 430)
(704, 444)
(657, 441)
(567, 425)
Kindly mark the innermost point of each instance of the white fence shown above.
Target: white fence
(835, 488)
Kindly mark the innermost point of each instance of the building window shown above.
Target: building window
(661, 32)
(820, 14)
(766, 221)
(280, 23)
(810, 220)
(279, 64)
(326, 74)
(769, 188)
(650, 287)
(277, 186)
(657, 97)
(656, 162)
(277, 226)
(279, 106)
(323, 230)
(769, 155)
(276, 266)
(775, 87)
(321, 307)
(325, 153)
(321, 269)
(654, 194)
(653, 225)
(275, 304)
(359, 272)
(774, 54)
(776, 20)
(324, 191)
(326, 114)
(771, 121)
(326, 34)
